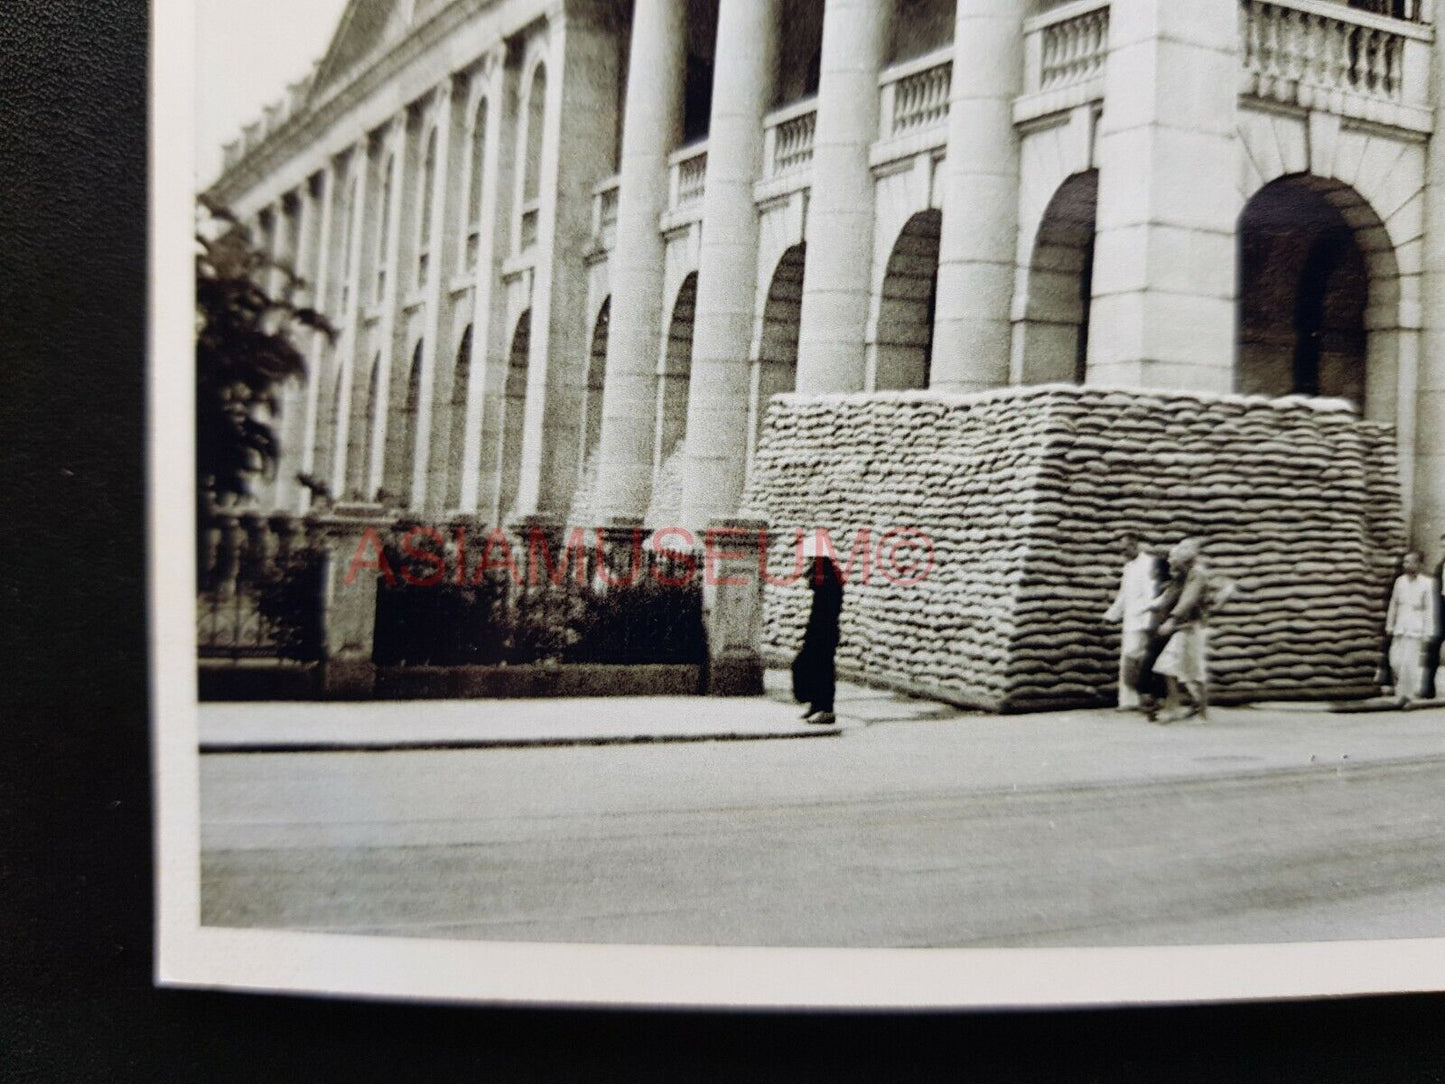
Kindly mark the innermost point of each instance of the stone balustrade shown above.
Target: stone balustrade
(1346, 60)
(239, 548)
(915, 95)
(687, 176)
(1066, 50)
(1073, 45)
(686, 182)
(788, 138)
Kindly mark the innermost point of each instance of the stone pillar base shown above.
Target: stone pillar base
(733, 606)
(347, 679)
(735, 674)
(349, 633)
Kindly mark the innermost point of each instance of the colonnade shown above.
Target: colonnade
(436, 241)
(976, 260)
(1162, 140)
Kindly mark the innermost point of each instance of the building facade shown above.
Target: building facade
(572, 247)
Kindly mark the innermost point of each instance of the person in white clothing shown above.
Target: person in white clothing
(1133, 610)
(1410, 625)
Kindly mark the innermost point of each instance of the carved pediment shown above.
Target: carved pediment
(367, 27)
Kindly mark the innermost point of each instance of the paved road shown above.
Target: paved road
(1066, 829)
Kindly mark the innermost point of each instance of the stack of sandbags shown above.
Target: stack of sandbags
(1026, 495)
(958, 471)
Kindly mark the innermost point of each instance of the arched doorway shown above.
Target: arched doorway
(514, 404)
(328, 419)
(596, 378)
(902, 346)
(457, 421)
(1051, 343)
(360, 433)
(401, 435)
(1319, 296)
(675, 373)
(776, 367)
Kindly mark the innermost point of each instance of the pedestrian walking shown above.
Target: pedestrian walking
(1133, 610)
(1184, 660)
(1410, 624)
(814, 674)
(1148, 682)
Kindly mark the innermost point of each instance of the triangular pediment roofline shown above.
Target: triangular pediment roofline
(366, 27)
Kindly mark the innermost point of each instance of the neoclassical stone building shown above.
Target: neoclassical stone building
(573, 246)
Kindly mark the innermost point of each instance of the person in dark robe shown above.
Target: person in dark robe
(1434, 686)
(814, 676)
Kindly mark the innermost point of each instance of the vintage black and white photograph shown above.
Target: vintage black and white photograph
(859, 475)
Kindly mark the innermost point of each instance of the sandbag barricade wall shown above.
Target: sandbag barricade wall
(1026, 496)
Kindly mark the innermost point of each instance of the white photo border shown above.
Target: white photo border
(190, 955)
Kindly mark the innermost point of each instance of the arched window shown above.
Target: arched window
(476, 187)
(536, 119)
(457, 428)
(383, 236)
(327, 426)
(401, 437)
(363, 429)
(514, 407)
(428, 186)
(531, 163)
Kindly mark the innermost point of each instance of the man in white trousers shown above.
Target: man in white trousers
(1133, 609)
(1410, 625)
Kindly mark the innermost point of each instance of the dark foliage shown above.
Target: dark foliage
(646, 621)
(288, 598)
(498, 622)
(245, 353)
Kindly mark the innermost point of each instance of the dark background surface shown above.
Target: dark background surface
(76, 1001)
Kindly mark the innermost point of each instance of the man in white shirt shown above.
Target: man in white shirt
(1410, 624)
(1133, 609)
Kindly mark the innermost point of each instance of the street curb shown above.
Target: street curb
(498, 743)
(1346, 707)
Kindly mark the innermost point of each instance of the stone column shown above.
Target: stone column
(972, 326)
(733, 606)
(487, 367)
(581, 66)
(1428, 521)
(838, 262)
(1164, 259)
(348, 349)
(319, 202)
(428, 489)
(542, 352)
(652, 126)
(390, 248)
(717, 409)
(349, 611)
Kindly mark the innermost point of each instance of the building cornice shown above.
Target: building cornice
(355, 88)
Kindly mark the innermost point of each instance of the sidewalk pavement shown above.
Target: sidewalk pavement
(308, 726)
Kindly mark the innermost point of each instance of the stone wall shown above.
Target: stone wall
(1027, 494)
